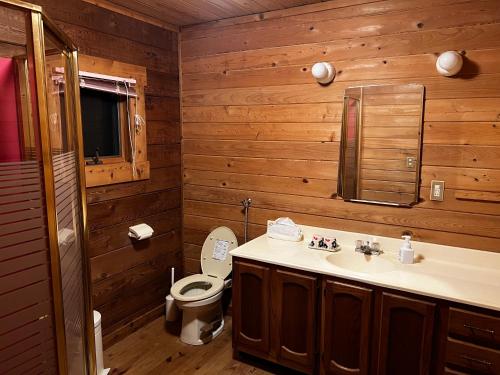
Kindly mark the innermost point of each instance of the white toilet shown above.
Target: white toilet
(199, 296)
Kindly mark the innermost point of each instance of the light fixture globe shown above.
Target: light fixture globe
(449, 63)
(323, 72)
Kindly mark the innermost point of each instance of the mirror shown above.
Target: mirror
(381, 144)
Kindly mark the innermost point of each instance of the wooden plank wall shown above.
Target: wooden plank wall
(256, 125)
(130, 282)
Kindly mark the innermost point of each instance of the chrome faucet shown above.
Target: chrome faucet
(368, 247)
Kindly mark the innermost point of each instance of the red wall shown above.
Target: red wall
(9, 135)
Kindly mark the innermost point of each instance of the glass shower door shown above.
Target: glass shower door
(61, 113)
(27, 337)
(46, 324)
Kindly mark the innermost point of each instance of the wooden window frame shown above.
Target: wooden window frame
(119, 169)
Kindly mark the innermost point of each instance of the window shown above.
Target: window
(101, 122)
(113, 121)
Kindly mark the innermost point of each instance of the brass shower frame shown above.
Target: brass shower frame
(38, 20)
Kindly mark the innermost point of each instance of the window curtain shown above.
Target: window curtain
(101, 82)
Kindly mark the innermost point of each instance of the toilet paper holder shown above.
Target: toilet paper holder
(140, 231)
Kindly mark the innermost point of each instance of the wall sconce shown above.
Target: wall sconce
(323, 72)
(449, 63)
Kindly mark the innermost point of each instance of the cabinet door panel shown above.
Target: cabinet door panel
(346, 333)
(251, 300)
(405, 335)
(294, 315)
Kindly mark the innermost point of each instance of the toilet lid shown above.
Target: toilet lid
(215, 257)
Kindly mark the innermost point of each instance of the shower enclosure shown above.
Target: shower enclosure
(46, 324)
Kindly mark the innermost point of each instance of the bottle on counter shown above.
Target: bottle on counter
(406, 253)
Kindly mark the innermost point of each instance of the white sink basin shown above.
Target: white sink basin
(362, 263)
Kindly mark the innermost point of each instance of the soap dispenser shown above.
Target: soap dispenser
(406, 253)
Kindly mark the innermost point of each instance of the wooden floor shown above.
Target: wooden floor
(156, 349)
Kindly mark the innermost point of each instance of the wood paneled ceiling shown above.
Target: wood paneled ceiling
(177, 13)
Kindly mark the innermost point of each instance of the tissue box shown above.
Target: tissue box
(284, 229)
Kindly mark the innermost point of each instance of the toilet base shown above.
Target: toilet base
(202, 324)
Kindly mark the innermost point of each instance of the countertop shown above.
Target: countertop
(452, 273)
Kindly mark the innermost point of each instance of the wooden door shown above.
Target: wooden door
(251, 306)
(294, 297)
(346, 330)
(405, 341)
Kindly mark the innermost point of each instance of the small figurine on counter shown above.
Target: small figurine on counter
(324, 243)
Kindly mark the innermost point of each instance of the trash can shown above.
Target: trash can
(98, 345)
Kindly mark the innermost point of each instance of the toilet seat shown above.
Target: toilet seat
(216, 265)
(180, 290)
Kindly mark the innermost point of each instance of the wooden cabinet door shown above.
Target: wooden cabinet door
(251, 305)
(346, 329)
(294, 297)
(405, 341)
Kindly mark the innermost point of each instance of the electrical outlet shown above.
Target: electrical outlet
(437, 190)
(411, 162)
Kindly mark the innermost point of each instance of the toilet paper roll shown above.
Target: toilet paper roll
(140, 231)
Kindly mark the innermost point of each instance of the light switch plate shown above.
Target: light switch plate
(437, 190)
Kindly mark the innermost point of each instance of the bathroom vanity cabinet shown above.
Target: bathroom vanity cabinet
(322, 324)
(472, 341)
(404, 338)
(251, 300)
(275, 314)
(351, 316)
(347, 326)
